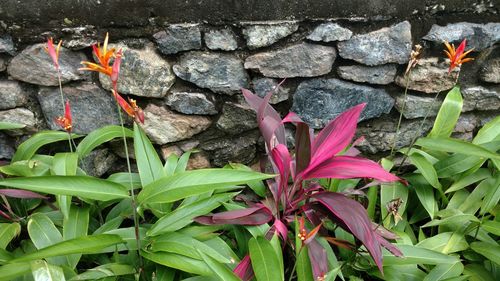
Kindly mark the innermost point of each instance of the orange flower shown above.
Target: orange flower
(457, 57)
(305, 237)
(53, 52)
(65, 121)
(130, 107)
(115, 69)
(103, 56)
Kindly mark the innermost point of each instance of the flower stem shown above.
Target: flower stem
(70, 139)
(407, 83)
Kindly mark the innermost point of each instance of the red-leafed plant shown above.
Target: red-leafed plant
(296, 193)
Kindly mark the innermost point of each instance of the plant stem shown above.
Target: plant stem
(407, 83)
(134, 204)
(70, 139)
(295, 263)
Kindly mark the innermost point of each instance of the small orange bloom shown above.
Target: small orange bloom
(53, 52)
(130, 107)
(65, 121)
(458, 56)
(103, 56)
(305, 237)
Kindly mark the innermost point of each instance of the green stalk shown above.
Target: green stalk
(70, 139)
(372, 195)
(407, 83)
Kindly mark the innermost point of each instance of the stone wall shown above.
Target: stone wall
(186, 71)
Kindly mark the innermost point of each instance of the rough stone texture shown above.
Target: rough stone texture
(221, 39)
(117, 147)
(236, 118)
(262, 86)
(318, 101)
(91, 106)
(178, 37)
(142, 73)
(266, 34)
(168, 150)
(429, 76)
(481, 98)
(417, 106)
(221, 73)
(380, 75)
(77, 38)
(192, 103)
(6, 148)
(33, 65)
(387, 45)
(164, 126)
(188, 145)
(239, 149)
(467, 123)
(490, 71)
(7, 45)
(479, 36)
(3, 64)
(21, 116)
(12, 94)
(330, 31)
(300, 60)
(198, 160)
(98, 162)
(380, 134)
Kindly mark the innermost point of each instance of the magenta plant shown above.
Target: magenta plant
(295, 191)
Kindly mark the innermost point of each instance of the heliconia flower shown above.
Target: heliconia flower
(130, 107)
(53, 52)
(115, 69)
(305, 237)
(458, 56)
(65, 121)
(103, 56)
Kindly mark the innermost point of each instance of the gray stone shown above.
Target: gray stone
(164, 126)
(481, 98)
(236, 118)
(318, 101)
(3, 64)
(221, 39)
(178, 37)
(380, 75)
(198, 160)
(429, 76)
(7, 45)
(300, 60)
(239, 149)
(77, 38)
(417, 106)
(91, 106)
(467, 123)
(267, 33)
(21, 116)
(330, 31)
(479, 36)
(221, 73)
(33, 65)
(490, 71)
(387, 45)
(12, 94)
(98, 162)
(262, 86)
(6, 148)
(379, 134)
(192, 103)
(117, 147)
(142, 73)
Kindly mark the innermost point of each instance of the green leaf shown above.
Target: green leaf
(491, 199)
(425, 194)
(148, 162)
(7, 232)
(304, 270)
(43, 233)
(257, 186)
(76, 225)
(64, 164)
(100, 136)
(445, 242)
(427, 170)
(448, 114)
(105, 270)
(10, 126)
(477, 272)
(489, 132)
(457, 164)
(492, 227)
(189, 183)
(5, 256)
(171, 164)
(182, 163)
(12, 271)
(457, 219)
(124, 179)
(128, 237)
(112, 224)
(219, 270)
(457, 146)
(179, 262)
(444, 271)
(42, 271)
(184, 215)
(490, 251)
(265, 262)
(28, 148)
(82, 186)
(467, 180)
(400, 272)
(83, 245)
(26, 168)
(474, 200)
(417, 255)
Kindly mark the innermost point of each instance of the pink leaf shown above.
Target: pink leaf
(281, 229)
(249, 216)
(115, 70)
(23, 194)
(348, 167)
(318, 259)
(281, 158)
(244, 269)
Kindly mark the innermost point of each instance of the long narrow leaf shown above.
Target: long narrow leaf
(448, 114)
(43, 271)
(7, 232)
(456, 146)
(100, 136)
(219, 270)
(265, 263)
(28, 148)
(148, 161)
